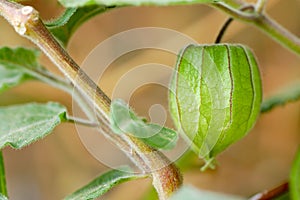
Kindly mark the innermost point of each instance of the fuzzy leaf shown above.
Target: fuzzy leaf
(286, 95)
(64, 26)
(215, 96)
(104, 183)
(124, 120)
(21, 125)
(11, 77)
(78, 3)
(295, 179)
(16, 66)
(191, 193)
(61, 20)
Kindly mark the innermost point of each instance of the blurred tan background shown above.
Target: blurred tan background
(60, 164)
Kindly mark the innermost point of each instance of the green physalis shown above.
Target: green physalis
(215, 96)
(124, 121)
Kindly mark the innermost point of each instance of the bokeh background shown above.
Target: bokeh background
(60, 164)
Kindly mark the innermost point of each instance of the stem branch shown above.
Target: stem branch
(228, 22)
(26, 21)
(80, 121)
(61, 83)
(265, 24)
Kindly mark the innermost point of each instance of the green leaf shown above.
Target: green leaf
(124, 120)
(11, 77)
(21, 125)
(78, 3)
(191, 193)
(104, 183)
(288, 94)
(20, 57)
(20, 64)
(63, 27)
(16, 65)
(295, 179)
(3, 190)
(61, 20)
(215, 96)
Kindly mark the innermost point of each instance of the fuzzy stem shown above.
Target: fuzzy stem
(80, 121)
(60, 83)
(26, 21)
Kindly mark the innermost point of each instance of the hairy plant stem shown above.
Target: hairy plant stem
(265, 24)
(60, 83)
(26, 21)
(81, 121)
